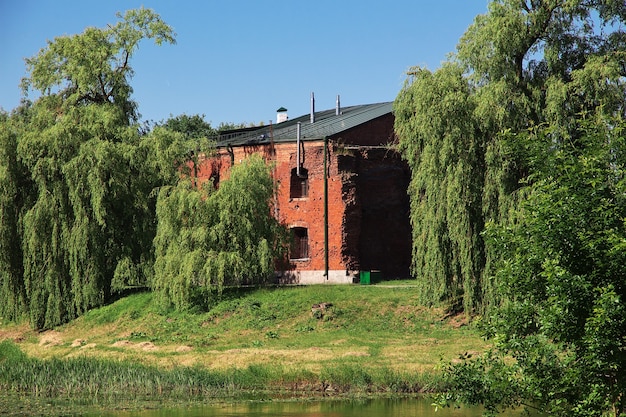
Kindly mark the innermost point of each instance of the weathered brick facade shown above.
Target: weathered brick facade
(367, 205)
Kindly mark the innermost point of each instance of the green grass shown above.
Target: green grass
(373, 339)
(361, 311)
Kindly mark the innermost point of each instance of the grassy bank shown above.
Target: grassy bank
(365, 339)
(84, 377)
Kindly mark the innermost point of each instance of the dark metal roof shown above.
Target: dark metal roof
(327, 123)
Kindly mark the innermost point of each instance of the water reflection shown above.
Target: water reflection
(362, 408)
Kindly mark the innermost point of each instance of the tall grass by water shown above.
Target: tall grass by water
(88, 377)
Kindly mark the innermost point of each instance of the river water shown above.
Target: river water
(359, 408)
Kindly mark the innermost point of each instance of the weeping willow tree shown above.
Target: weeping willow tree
(13, 187)
(87, 204)
(208, 239)
(447, 156)
(514, 68)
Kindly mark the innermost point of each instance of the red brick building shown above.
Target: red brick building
(342, 190)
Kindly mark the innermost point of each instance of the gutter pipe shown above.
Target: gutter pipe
(298, 134)
(326, 207)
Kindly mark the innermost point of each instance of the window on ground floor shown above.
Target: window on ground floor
(299, 243)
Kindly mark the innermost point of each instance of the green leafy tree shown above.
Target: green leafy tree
(94, 66)
(198, 138)
(443, 143)
(14, 189)
(518, 66)
(245, 239)
(208, 239)
(180, 247)
(193, 127)
(87, 206)
(548, 89)
(559, 341)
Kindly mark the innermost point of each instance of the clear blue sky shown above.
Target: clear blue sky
(240, 60)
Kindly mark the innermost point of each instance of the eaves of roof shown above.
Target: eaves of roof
(327, 123)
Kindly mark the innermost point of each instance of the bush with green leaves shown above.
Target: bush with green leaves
(559, 339)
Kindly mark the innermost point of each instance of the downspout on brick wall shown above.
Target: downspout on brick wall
(326, 207)
(273, 159)
(298, 134)
(231, 152)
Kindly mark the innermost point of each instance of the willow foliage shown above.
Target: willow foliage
(520, 65)
(208, 239)
(85, 209)
(12, 184)
(86, 212)
(549, 94)
(447, 155)
(562, 272)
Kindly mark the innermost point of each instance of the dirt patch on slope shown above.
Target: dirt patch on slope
(16, 334)
(50, 338)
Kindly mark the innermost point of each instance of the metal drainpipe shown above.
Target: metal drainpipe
(326, 207)
(231, 152)
(298, 134)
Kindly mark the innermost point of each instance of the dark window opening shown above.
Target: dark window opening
(299, 243)
(215, 179)
(299, 186)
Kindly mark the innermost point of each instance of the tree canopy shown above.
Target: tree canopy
(520, 65)
(559, 336)
(516, 147)
(94, 66)
(92, 202)
(76, 174)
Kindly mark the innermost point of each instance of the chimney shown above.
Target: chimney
(337, 107)
(281, 115)
(312, 108)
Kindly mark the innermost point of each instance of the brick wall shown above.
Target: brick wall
(368, 226)
(376, 224)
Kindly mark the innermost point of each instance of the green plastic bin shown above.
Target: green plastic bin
(365, 277)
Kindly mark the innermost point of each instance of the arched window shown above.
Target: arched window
(299, 243)
(299, 185)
